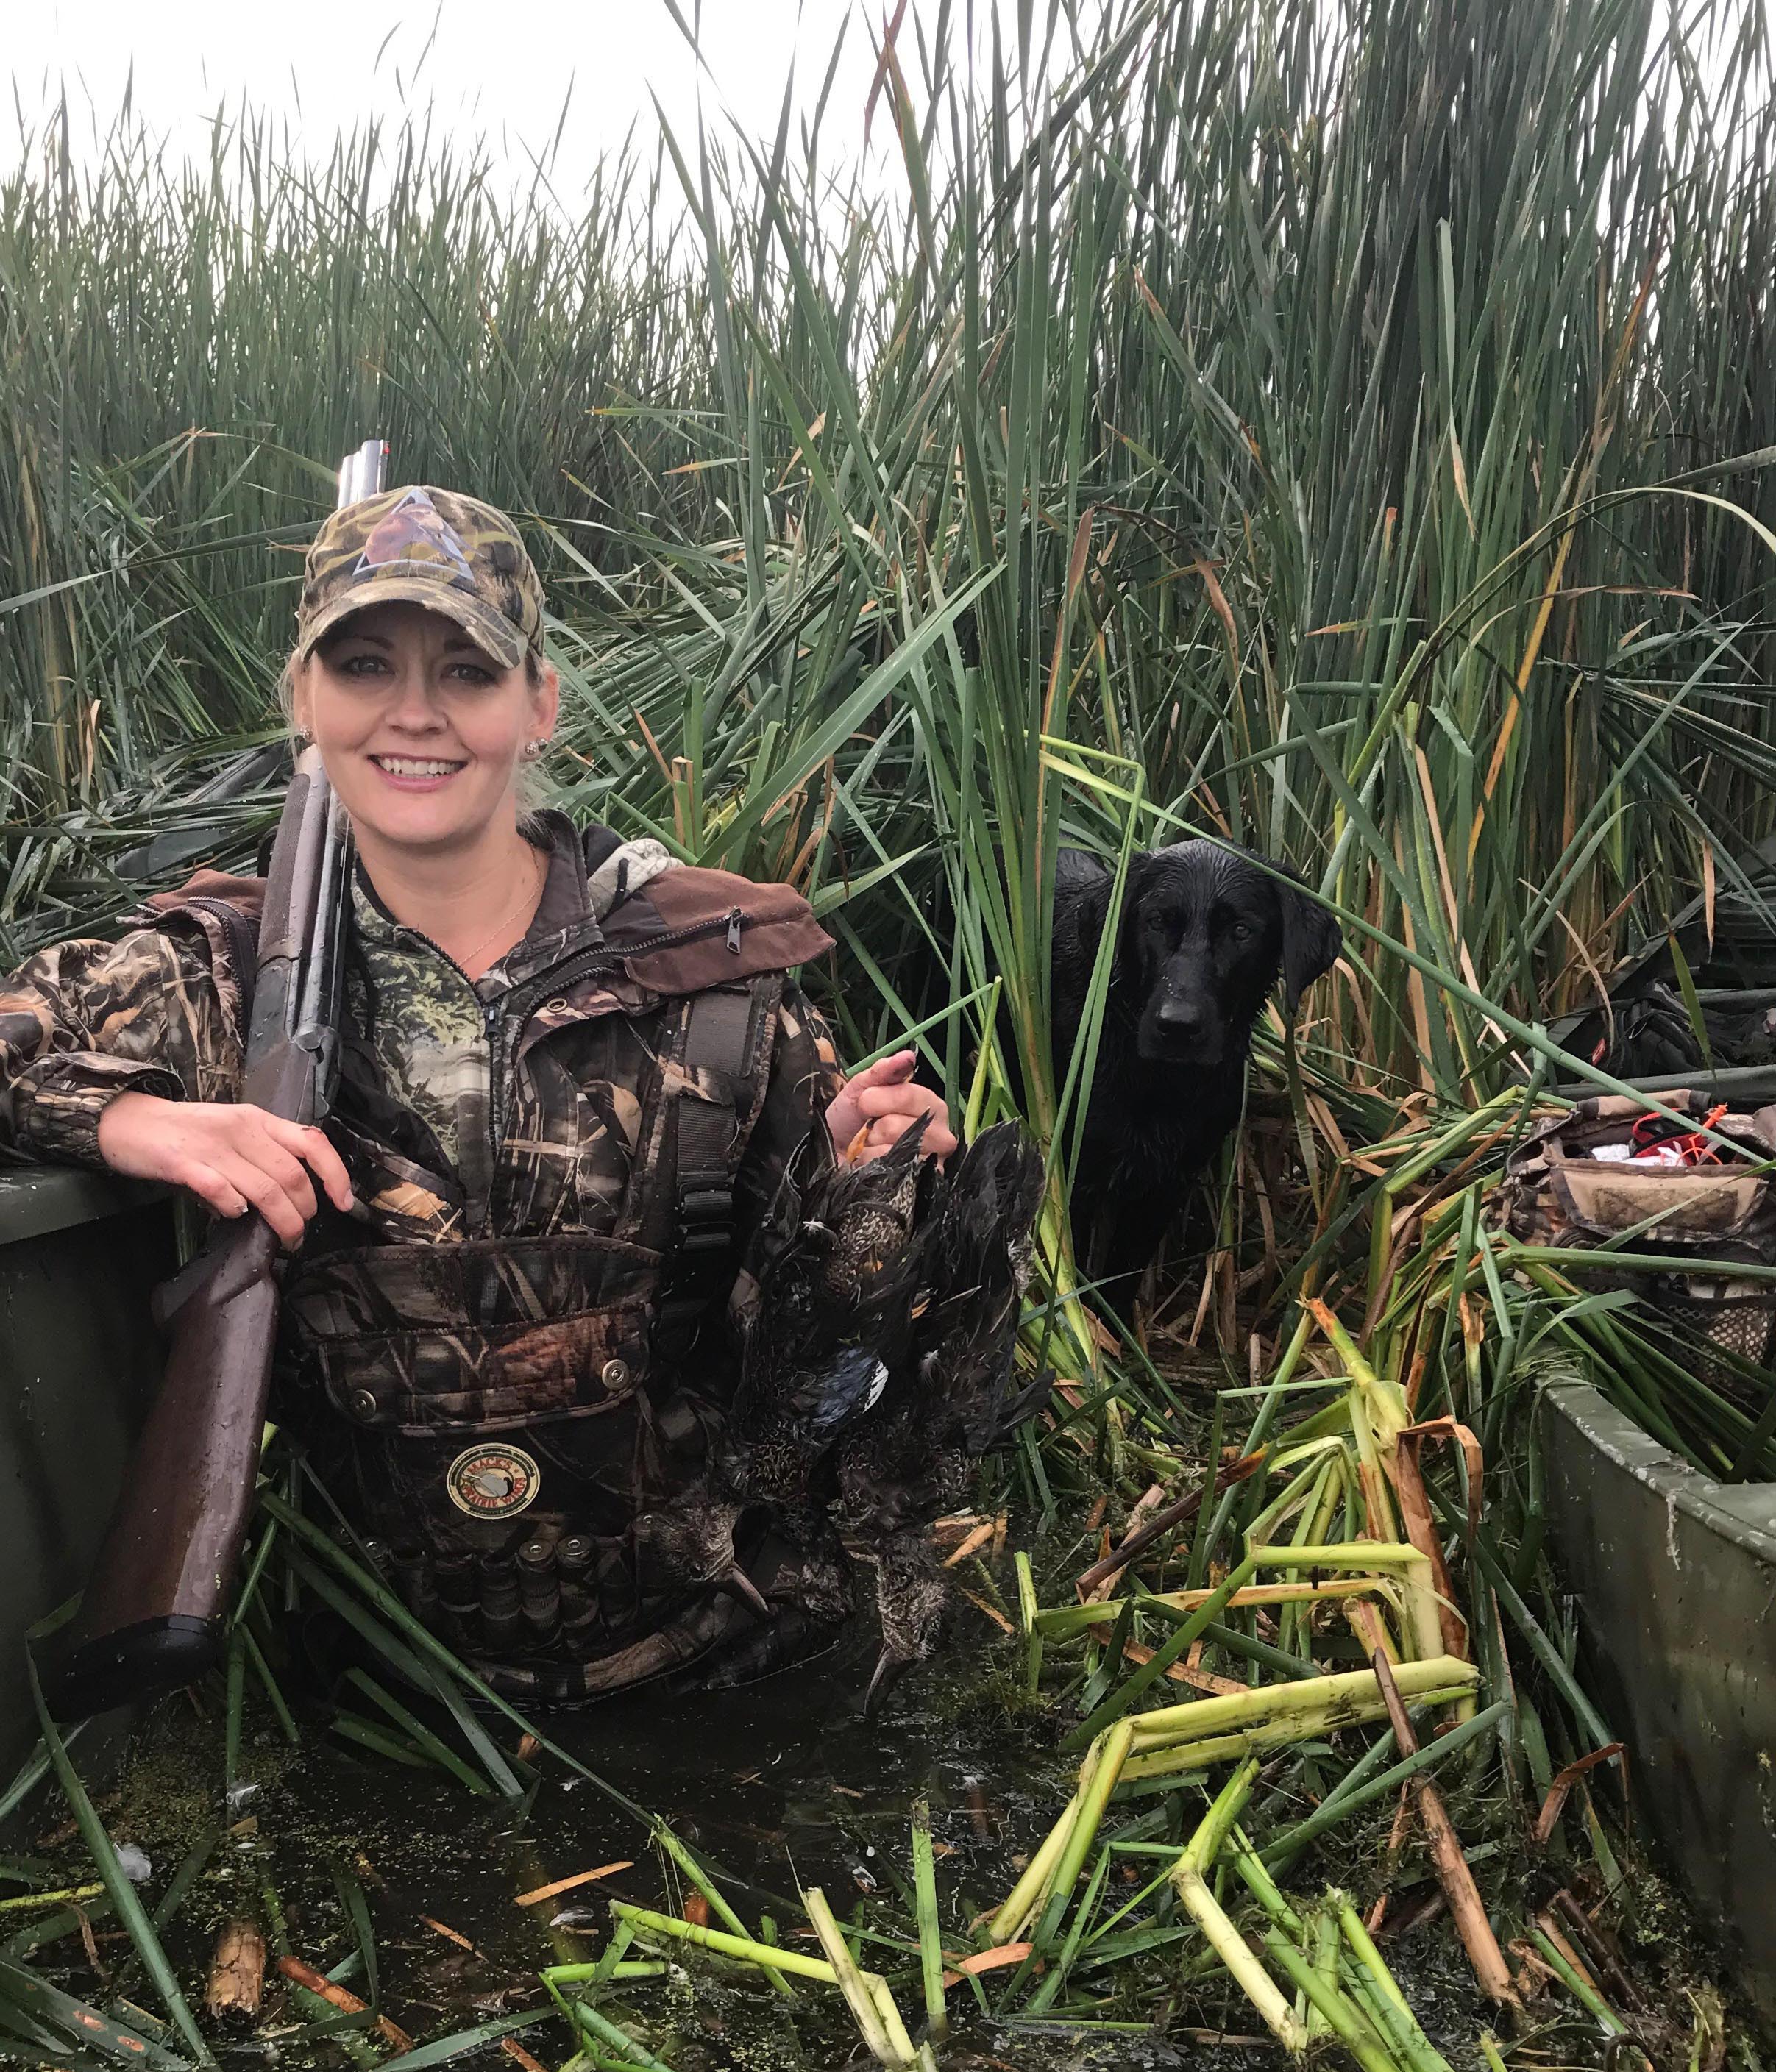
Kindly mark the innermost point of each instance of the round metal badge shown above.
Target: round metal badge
(491, 1481)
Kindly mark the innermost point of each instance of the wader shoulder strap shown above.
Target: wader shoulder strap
(718, 1024)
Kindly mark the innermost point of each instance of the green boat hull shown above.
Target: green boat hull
(1675, 1579)
(79, 1361)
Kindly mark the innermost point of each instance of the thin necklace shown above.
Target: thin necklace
(526, 897)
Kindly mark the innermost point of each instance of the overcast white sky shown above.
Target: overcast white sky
(497, 66)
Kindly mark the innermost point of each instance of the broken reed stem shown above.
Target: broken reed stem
(1191, 1885)
(1247, 1972)
(1051, 1873)
(1094, 1796)
(1024, 1895)
(646, 1922)
(1351, 1926)
(23, 1902)
(1062, 1965)
(1383, 2001)
(920, 2059)
(1341, 2017)
(665, 1839)
(585, 2018)
(1062, 1621)
(1324, 1954)
(603, 2029)
(1212, 1830)
(859, 1987)
(1400, 1558)
(1030, 1615)
(1182, 1758)
(1171, 1724)
(1262, 1886)
(1394, 2029)
(924, 1901)
(1453, 1875)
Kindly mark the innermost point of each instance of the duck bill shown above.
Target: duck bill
(889, 1669)
(738, 1584)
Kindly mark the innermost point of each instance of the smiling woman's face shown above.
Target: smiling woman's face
(421, 730)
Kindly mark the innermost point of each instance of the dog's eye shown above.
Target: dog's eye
(1240, 931)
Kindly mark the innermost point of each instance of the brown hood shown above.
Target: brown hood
(777, 930)
(248, 894)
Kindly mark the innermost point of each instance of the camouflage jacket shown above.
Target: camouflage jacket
(474, 1356)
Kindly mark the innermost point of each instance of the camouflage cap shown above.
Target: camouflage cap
(450, 553)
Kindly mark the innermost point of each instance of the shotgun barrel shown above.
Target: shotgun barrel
(153, 1616)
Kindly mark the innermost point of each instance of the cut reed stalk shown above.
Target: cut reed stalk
(1190, 1882)
(925, 1893)
(884, 2038)
(1453, 1875)
(1313, 1695)
(767, 1956)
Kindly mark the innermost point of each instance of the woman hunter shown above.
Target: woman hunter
(523, 1239)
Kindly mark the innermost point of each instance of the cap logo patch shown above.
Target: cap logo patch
(413, 530)
(492, 1481)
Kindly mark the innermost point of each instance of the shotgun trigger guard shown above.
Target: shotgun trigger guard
(322, 1045)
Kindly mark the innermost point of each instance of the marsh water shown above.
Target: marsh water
(781, 1783)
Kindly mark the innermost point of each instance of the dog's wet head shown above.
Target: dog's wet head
(1206, 930)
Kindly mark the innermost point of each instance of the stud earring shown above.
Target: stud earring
(533, 749)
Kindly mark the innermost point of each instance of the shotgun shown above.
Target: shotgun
(153, 1616)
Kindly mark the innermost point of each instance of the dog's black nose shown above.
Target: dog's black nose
(1179, 1017)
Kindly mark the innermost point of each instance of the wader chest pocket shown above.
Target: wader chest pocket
(435, 1339)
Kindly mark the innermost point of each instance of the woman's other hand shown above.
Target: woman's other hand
(885, 1100)
(232, 1157)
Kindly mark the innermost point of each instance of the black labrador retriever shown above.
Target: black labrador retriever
(1205, 932)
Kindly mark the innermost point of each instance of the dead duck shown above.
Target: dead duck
(950, 1399)
(833, 1317)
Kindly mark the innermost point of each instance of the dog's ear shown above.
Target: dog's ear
(1311, 938)
(1136, 879)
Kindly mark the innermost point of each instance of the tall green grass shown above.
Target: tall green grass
(1344, 428)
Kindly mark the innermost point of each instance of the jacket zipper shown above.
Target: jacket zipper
(243, 952)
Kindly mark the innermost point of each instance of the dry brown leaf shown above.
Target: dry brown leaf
(567, 1883)
(992, 1612)
(986, 1960)
(449, 1935)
